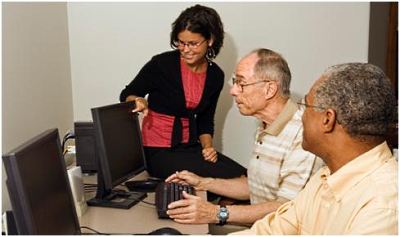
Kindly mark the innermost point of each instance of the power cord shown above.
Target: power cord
(98, 232)
(148, 203)
(69, 135)
(94, 231)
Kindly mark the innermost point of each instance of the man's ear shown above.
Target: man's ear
(270, 89)
(329, 120)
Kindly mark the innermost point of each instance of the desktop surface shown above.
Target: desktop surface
(139, 219)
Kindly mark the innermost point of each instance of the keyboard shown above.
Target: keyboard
(167, 193)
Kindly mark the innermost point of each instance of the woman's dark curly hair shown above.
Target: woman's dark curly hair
(202, 20)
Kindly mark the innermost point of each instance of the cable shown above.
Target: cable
(94, 231)
(101, 233)
(149, 203)
(67, 136)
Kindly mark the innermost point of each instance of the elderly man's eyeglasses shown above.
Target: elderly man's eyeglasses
(242, 85)
(303, 105)
(191, 45)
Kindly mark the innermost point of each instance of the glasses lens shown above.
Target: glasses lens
(236, 82)
(192, 45)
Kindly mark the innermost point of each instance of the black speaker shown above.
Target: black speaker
(85, 145)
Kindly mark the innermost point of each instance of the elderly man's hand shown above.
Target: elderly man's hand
(188, 178)
(184, 177)
(193, 210)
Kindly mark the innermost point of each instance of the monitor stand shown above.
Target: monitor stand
(122, 200)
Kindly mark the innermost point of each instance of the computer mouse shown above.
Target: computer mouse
(147, 186)
(165, 231)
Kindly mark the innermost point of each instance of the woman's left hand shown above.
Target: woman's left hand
(210, 154)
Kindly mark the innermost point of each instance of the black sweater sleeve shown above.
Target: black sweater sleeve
(143, 83)
(205, 119)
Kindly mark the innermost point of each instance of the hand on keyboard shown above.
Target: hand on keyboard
(188, 178)
(193, 209)
(167, 193)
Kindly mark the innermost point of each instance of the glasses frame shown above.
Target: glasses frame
(301, 103)
(241, 86)
(191, 45)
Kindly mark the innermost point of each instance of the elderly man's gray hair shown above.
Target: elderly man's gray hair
(272, 66)
(362, 97)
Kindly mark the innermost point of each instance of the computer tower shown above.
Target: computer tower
(85, 145)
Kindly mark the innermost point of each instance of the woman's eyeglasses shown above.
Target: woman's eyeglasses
(191, 45)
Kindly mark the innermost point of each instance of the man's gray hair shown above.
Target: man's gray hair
(272, 66)
(362, 97)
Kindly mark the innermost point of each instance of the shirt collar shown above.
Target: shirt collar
(356, 170)
(283, 118)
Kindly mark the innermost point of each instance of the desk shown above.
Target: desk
(139, 219)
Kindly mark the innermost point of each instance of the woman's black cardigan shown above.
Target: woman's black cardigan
(161, 79)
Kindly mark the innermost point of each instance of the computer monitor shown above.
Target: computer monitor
(39, 189)
(120, 154)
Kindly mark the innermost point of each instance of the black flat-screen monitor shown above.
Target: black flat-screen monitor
(38, 186)
(120, 154)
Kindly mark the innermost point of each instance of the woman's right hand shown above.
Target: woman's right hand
(140, 103)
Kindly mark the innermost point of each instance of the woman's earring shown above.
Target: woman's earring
(210, 55)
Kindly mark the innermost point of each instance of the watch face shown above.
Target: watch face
(223, 214)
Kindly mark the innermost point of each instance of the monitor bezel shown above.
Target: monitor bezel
(103, 161)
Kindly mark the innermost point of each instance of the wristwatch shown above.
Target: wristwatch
(222, 215)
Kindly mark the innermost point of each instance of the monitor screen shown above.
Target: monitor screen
(39, 189)
(119, 146)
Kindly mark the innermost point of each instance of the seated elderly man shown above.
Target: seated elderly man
(279, 168)
(346, 118)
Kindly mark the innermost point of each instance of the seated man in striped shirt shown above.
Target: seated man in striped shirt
(279, 168)
(347, 116)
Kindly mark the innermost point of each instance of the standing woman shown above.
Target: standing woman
(183, 86)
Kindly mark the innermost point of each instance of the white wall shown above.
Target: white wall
(110, 42)
(36, 82)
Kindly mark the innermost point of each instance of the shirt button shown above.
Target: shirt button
(260, 143)
(257, 157)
